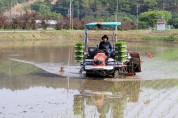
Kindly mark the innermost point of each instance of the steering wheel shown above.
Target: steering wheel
(100, 51)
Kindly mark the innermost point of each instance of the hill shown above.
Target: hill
(19, 8)
(95, 10)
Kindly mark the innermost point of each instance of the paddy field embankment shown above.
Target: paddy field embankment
(76, 35)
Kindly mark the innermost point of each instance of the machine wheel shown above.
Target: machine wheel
(80, 71)
(116, 74)
(122, 73)
(89, 74)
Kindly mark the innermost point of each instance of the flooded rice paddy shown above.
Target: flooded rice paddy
(32, 86)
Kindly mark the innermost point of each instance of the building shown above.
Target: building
(161, 25)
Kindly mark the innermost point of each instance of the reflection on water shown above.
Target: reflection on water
(40, 54)
(27, 89)
(105, 99)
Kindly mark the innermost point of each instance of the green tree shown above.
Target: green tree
(36, 6)
(44, 10)
(61, 7)
(174, 20)
(151, 17)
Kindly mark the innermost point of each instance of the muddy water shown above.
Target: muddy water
(32, 86)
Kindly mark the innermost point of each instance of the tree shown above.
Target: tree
(61, 7)
(174, 20)
(151, 17)
(45, 12)
(36, 6)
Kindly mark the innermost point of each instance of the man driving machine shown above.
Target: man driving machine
(106, 46)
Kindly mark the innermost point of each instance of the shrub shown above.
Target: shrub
(28, 20)
(24, 21)
(77, 24)
(44, 24)
(16, 22)
(63, 23)
(2, 21)
(142, 25)
(126, 25)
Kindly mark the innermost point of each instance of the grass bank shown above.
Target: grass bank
(75, 35)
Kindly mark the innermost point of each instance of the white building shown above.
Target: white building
(161, 25)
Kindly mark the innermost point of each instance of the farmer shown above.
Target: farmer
(105, 45)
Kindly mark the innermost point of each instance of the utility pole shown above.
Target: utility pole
(117, 11)
(70, 13)
(137, 16)
(72, 16)
(11, 10)
(78, 10)
(116, 21)
(163, 5)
